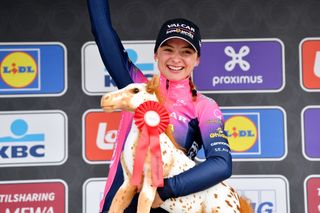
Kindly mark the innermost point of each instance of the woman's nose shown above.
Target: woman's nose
(176, 57)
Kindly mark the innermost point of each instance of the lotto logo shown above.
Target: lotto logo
(99, 135)
(310, 64)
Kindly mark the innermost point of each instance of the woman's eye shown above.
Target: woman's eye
(135, 90)
(187, 52)
(167, 50)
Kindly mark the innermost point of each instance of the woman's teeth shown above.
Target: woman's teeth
(175, 68)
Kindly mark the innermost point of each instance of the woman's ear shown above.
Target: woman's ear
(197, 62)
(155, 56)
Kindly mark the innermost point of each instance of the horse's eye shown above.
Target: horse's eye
(135, 90)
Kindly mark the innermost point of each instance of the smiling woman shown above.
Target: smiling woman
(177, 52)
(176, 59)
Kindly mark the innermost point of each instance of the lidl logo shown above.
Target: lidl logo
(45, 196)
(35, 69)
(310, 64)
(252, 134)
(33, 138)
(92, 194)
(267, 193)
(18, 69)
(100, 131)
(310, 117)
(242, 65)
(242, 133)
(312, 194)
(95, 77)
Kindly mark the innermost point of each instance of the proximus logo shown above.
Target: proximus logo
(237, 58)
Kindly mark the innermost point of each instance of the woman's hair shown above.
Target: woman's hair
(193, 89)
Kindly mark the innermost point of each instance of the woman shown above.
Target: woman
(196, 120)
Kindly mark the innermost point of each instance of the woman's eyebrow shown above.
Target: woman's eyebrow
(188, 46)
(166, 44)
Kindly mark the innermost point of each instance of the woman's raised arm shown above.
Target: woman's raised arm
(112, 52)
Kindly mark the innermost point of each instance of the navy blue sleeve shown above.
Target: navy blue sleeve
(111, 49)
(213, 170)
(218, 164)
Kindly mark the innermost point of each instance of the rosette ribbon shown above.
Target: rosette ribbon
(152, 119)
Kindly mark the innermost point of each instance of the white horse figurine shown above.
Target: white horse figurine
(219, 198)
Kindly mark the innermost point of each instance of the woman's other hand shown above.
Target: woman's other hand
(157, 201)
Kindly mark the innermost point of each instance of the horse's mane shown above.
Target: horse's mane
(153, 86)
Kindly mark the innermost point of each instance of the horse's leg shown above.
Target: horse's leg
(125, 193)
(147, 194)
(123, 197)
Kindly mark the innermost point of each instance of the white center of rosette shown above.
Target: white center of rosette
(152, 118)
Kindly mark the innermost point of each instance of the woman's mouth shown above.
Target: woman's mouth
(175, 68)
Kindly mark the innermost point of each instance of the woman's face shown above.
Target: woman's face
(176, 59)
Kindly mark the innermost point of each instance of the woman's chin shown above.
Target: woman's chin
(174, 76)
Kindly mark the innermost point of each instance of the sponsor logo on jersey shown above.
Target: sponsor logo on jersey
(30, 138)
(310, 64)
(246, 65)
(100, 131)
(218, 134)
(45, 196)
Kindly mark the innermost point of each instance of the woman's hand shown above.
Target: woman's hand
(157, 201)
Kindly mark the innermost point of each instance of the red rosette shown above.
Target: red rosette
(152, 119)
(139, 115)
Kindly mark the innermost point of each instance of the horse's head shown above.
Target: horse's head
(130, 97)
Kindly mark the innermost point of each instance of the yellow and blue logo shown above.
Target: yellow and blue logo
(18, 69)
(242, 133)
(255, 133)
(32, 69)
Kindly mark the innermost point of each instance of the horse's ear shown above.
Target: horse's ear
(153, 84)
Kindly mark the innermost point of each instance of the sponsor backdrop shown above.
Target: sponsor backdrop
(260, 61)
